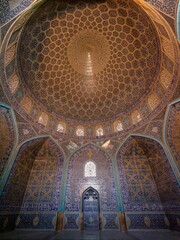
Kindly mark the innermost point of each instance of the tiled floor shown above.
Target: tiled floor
(77, 235)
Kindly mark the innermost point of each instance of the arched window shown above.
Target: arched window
(43, 119)
(90, 170)
(13, 83)
(61, 127)
(153, 101)
(165, 78)
(80, 131)
(136, 117)
(10, 53)
(26, 104)
(99, 131)
(118, 126)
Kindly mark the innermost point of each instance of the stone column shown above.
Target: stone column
(122, 222)
(81, 222)
(59, 223)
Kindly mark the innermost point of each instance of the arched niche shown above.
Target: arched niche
(34, 185)
(8, 138)
(90, 209)
(78, 182)
(172, 128)
(148, 184)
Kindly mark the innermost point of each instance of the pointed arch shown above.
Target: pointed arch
(77, 183)
(12, 132)
(43, 138)
(91, 209)
(143, 137)
(87, 190)
(143, 164)
(91, 145)
(91, 188)
(39, 162)
(170, 134)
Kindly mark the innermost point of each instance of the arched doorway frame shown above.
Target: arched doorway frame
(82, 207)
(114, 172)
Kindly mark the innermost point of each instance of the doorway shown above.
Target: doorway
(91, 209)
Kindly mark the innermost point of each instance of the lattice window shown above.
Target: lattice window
(153, 101)
(165, 78)
(26, 104)
(136, 117)
(90, 169)
(61, 127)
(118, 126)
(10, 54)
(168, 48)
(80, 131)
(43, 119)
(99, 131)
(13, 83)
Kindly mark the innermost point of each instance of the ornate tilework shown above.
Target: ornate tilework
(77, 182)
(166, 6)
(26, 132)
(173, 131)
(7, 136)
(11, 198)
(36, 221)
(110, 221)
(71, 221)
(139, 191)
(7, 14)
(146, 221)
(147, 181)
(155, 130)
(43, 188)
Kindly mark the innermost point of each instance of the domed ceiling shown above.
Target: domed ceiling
(88, 60)
(89, 68)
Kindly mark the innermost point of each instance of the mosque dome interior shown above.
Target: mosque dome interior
(89, 114)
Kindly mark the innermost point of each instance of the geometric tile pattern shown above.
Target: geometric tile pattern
(173, 132)
(148, 184)
(36, 221)
(126, 76)
(110, 221)
(36, 179)
(25, 132)
(27, 103)
(166, 6)
(8, 12)
(43, 188)
(11, 198)
(6, 136)
(138, 188)
(77, 183)
(147, 221)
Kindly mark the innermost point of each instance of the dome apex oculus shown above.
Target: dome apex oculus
(88, 45)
